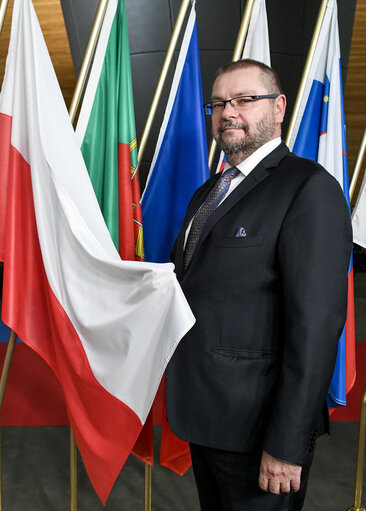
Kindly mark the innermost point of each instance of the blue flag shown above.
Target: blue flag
(320, 135)
(180, 163)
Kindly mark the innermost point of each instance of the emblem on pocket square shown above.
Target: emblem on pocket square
(240, 233)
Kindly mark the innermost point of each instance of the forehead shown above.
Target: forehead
(240, 81)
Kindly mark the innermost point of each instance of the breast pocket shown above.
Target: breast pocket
(244, 354)
(247, 241)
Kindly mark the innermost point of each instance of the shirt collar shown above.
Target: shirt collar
(247, 165)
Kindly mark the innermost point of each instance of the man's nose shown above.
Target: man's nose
(229, 111)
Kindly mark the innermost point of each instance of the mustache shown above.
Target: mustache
(232, 124)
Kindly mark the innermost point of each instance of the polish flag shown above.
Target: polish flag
(106, 327)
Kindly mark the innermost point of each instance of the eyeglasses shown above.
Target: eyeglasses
(239, 103)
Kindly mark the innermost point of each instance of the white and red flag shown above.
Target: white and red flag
(106, 327)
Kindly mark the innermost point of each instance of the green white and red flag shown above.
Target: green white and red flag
(107, 134)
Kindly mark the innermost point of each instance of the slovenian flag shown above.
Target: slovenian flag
(256, 47)
(66, 293)
(320, 134)
(180, 162)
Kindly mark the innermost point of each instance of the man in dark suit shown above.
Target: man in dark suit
(262, 259)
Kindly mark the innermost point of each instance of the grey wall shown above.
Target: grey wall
(150, 23)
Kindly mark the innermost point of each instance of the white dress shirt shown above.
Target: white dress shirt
(245, 167)
(250, 163)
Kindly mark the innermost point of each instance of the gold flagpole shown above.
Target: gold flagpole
(163, 74)
(238, 50)
(358, 166)
(89, 52)
(148, 473)
(73, 473)
(306, 71)
(7, 363)
(360, 456)
(75, 102)
(3, 382)
(141, 149)
(3, 7)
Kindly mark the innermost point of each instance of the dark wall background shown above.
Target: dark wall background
(151, 22)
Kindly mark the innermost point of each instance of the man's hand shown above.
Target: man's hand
(276, 475)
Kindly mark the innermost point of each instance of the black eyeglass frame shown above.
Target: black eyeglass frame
(208, 106)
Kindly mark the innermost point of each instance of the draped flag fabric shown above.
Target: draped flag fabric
(179, 167)
(256, 46)
(66, 293)
(257, 41)
(359, 216)
(320, 135)
(33, 394)
(107, 135)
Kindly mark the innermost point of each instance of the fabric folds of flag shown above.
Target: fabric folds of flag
(179, 167)
(319, 134)
(66, 293)
(107, 134)
(257, 41)
(107, 137)
(33, 394)
(256, 46)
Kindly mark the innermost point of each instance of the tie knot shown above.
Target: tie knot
(229, 174)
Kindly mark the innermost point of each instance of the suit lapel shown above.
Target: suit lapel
(197, 200)
(251, 181)
(256, 176)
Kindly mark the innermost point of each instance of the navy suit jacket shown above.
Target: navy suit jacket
(270, 307)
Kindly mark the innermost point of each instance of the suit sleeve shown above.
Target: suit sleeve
(314, 251)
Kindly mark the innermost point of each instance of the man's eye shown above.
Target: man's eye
(217, 105)
(242, 101)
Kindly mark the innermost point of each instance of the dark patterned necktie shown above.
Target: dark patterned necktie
(213, 199)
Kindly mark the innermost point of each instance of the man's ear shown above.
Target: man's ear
(280, 107)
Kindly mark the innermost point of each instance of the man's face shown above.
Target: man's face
(242, 132)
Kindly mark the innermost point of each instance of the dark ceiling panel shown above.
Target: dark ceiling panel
(149, 25)
(285, 26)
(145, 68)
(217, 23)
(79, 16)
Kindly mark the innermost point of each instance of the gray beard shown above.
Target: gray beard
(251, 142)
